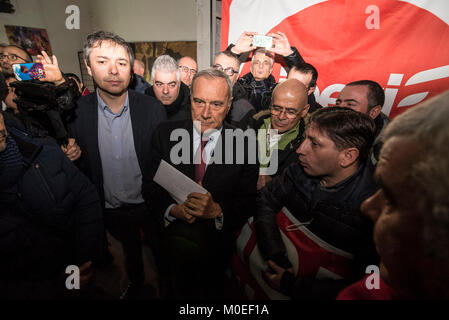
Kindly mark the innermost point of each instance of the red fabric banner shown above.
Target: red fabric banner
(402, 45)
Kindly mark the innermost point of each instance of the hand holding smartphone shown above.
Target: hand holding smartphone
(262, 41)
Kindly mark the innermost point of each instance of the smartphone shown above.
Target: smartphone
(28, 71)
(262, 41)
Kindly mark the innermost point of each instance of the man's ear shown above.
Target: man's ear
(305, 110)
(348, 157)
(229, 105)
(89, 71)
(311, 90)
(375, 111)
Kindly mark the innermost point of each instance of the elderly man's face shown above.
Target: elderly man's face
(110, 68)
(188, 68)
(288, 107)
(228, 65)
(398, 209)
(3, 134)
(10, 56)
(210, 102)
(166, 86)
(261, 66)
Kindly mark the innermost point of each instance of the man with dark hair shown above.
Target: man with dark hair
(12, 54)
(411, 208)
(241, 110)
(308, 75)
(200, 232)
(10, 95)
(113, 128)
(50, 218)
(366, 96)
(318, 199)
(82, 89)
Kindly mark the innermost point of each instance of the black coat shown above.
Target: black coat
(233, 186)
(180, 108)
(288, 155)
(146, 113)
(49, 219)
(334, 215)
(198, 253)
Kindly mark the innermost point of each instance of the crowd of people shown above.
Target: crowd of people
(81, 167)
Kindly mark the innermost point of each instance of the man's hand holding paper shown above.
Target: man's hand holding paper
(202, 206)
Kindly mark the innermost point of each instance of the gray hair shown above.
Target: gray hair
(426, 125)
(210, 74)
(265, 52)
(165, 63)
(96, 38)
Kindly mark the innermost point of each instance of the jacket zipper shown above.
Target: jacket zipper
(47, 187)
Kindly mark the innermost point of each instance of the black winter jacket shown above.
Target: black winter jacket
(49, 219)
(334, 216)
(180, 108)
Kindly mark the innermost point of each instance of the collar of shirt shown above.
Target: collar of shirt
(210, 146)
(103, 107)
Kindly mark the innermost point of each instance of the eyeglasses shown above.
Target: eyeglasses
(290, 113)
(229, 71)
(187, 69)
(11, 57)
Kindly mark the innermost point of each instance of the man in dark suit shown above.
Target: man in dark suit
(199, 233)
(113, 129)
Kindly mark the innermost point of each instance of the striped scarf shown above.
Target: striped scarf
(11, 166)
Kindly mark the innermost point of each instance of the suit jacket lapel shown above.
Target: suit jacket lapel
(136, 123)
(189, 168)
(92, 132)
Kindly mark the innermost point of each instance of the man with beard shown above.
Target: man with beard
(12, 54)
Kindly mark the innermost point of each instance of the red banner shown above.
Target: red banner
(402, 45)
(309, 255)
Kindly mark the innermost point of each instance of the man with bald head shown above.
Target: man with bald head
(139, 83)
(188, 68)
(282, 130)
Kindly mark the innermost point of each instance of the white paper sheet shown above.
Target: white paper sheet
(177, 184)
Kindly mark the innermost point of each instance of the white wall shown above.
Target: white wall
(134, 20)
(146, 20)
(50, 15)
